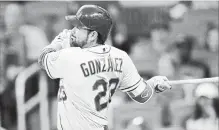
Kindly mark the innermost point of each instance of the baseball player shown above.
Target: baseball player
(91, 71)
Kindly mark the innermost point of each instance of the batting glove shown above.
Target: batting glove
(159, 83)
(63, 39)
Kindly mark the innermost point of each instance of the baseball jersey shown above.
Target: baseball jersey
(89, 78)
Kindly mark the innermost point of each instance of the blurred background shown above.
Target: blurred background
(177, 39)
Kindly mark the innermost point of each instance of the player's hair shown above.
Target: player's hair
(99, 39)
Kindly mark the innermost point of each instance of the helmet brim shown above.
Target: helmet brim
(74, 21)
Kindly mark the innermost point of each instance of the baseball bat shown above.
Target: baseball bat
(195, 81)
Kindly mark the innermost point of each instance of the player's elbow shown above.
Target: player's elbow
(42, 56)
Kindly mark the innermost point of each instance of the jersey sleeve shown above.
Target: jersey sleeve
(55, 63)
(130, 77)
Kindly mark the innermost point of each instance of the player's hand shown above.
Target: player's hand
(63, 39)
(159, 83)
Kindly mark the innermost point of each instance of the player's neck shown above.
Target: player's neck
(92, 44)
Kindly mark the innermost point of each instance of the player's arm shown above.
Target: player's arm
(54, 64)
(141, 92)
(51, 58)
(145, 89)
(60, 41)
(136, 87)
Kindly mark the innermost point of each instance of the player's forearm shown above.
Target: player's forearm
(55, 45)
(145, 90)
(142, 93)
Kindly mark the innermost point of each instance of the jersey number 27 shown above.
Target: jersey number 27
(112, 85)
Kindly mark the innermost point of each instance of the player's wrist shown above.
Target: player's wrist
(149, 85)
(152, 83)
(55, 46)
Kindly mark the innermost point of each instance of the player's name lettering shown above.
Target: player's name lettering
(101, 65)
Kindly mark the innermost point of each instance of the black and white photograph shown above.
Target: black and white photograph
(109, 65)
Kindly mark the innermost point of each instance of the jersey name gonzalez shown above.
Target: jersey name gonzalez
(101, 65)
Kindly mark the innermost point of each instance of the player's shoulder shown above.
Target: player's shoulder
(121, 54)
(118, 52)
(72, 52)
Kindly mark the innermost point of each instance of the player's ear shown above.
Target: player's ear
(93, 35)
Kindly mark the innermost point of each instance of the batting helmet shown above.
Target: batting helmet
(94, 18)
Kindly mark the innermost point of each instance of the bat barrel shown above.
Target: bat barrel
(195, 81)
